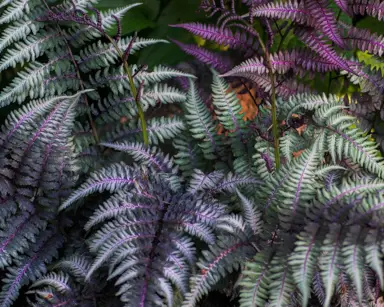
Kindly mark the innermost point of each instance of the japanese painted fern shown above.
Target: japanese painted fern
(85, 178)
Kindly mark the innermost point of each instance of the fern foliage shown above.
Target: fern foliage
(93, 213)
(39, 170)
(54, 137)
(330, 236)
(324, 28)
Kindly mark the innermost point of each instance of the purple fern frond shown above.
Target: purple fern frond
(343, 5)
(317, 44)
(224, 36)
(325, 20)
(351, 190)
(318, 287)
(141, 152)
(285, 88)
(207, 57)
(311, 61)
(210, 7)
(291, 87)
(374, 8)
(254, 65)
(366, 41)
(268, 161)
(291, 10)
(254, 2)
(282, 62)
(269, 31)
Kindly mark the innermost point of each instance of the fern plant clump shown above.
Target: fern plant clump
(104, 204)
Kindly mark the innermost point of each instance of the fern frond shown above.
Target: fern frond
(49, 126)
(115, 177)
(30, 267)
(281, 281)
(366, 7)
(353, 258)
(31, 82)
(200, 181)
(318, 287)
(222, 258)
(189, 155)
(352, 143)
(299, 186)
(233, 181)
(100, 55)
(291, 10)
(325, 20)
(364, 40)
(303, 259)
(160, 73)
(18, 31)
(78, 35)
(145, 224)
(159, 129)
(255, 284)
(58, 281)
(318, 45)
(304, 101)
(30, 49)
(289, 144)
(145, 156)
(207, 57)
(161, 93)
(117, 80)
(202, 127)
(373, 253)
(16, 239)
(251, 215)
(221, 36)
(331, 256)
(76, 265)
(16, 10)
(282, 62)
(227, 105)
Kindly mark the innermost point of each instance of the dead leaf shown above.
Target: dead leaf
(301, 129)
(297, 154)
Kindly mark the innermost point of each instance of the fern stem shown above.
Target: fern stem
(133, 89)
(275, 128)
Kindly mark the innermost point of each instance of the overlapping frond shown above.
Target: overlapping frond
(222, 258)
(144, 222)
(30, 267)
(221, 36)
(201, 125)
(292, 10)
(170, 223)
